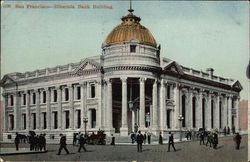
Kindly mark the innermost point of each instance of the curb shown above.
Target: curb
(21, 153)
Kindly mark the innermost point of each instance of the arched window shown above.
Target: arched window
(183, 110)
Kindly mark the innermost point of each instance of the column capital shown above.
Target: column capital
(47, 89)
(109, 81)
(57, 87)
(83, 83)
(124, 79)
(69, 86)
(37, 90)
(142, 80)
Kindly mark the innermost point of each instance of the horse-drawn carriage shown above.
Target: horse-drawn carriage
(96, 139)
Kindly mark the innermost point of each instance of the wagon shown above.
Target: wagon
(96, 139)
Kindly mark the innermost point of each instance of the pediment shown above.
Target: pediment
(6, 80)
(87, 65)
(173, 67)
(237, 85)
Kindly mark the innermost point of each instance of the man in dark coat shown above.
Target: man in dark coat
(171, 141)
(215, 140)
(237, 140)
(112, 140)
(149, 137)
(139, 140)
(160, 139)
(62, 144)
(202, 138)
(145, 138)
(82, 142)
(225, 131)
(228, 130)
(209, 139)
(17, 141)
(133, 137)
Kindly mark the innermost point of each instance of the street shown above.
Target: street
(190, 151)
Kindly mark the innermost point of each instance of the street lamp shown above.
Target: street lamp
(180, 118)
(85, 121)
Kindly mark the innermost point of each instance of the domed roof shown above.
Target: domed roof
(130, 28)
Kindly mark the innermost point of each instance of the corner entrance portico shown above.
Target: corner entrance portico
(131, 101)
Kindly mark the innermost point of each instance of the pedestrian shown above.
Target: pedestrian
(74, 138)
(225, 131)
(233, 129)
(40, 142)
(209, 139)
(112, 140)
(145, 138)
(82, 141)
(133, 137)
(149, 137)
(17, 141)
(237, 140)
(215, 140)
(171, 141)
(36, 142)
(160, 139)
(139, 139)
(228, 130)
(202, 138)
(43, 142)
(62, 144)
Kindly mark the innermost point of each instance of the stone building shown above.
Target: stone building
(243, 115)
(128, 84)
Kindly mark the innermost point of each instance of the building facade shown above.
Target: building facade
(243, 115)
(128, 85)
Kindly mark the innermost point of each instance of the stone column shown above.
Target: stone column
(83, 102)
(162, 100)
(59, 106)
(199, 112)
(176, 111)
(217, 113)
(48, 108)
(230, 111)
(109, 105)
(142, 103)
(237, 119)
(224, 112)
(27, 110)
(37, 109)
(16, 112)
(99, 118)
(5, 114)
(189, 114)
(208, 114)
(155, 106)
(71, 106)
(124, 128)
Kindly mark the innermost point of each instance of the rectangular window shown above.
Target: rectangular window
(66, 119)
(34, 98)
(66, 94)
(24, 99)
(78, 93)
(11, 100)
(132, 48)
(55, 120)
(44, 96)
(44, 121)
(34, 120)
(168, 92)
(24, 121)
(78, 118)
(93, 118)
(55, 95)
(92, 91)
(168, 118)
(11, 122)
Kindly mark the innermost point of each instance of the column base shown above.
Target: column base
(124, 131)
(155, 131)
(143, 129)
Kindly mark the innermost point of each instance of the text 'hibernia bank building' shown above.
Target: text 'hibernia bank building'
(128, 84)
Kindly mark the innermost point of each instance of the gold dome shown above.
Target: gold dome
(128, 29)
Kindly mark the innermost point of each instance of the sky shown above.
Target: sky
(198, 35)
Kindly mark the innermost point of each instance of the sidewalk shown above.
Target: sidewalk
(12, 151)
